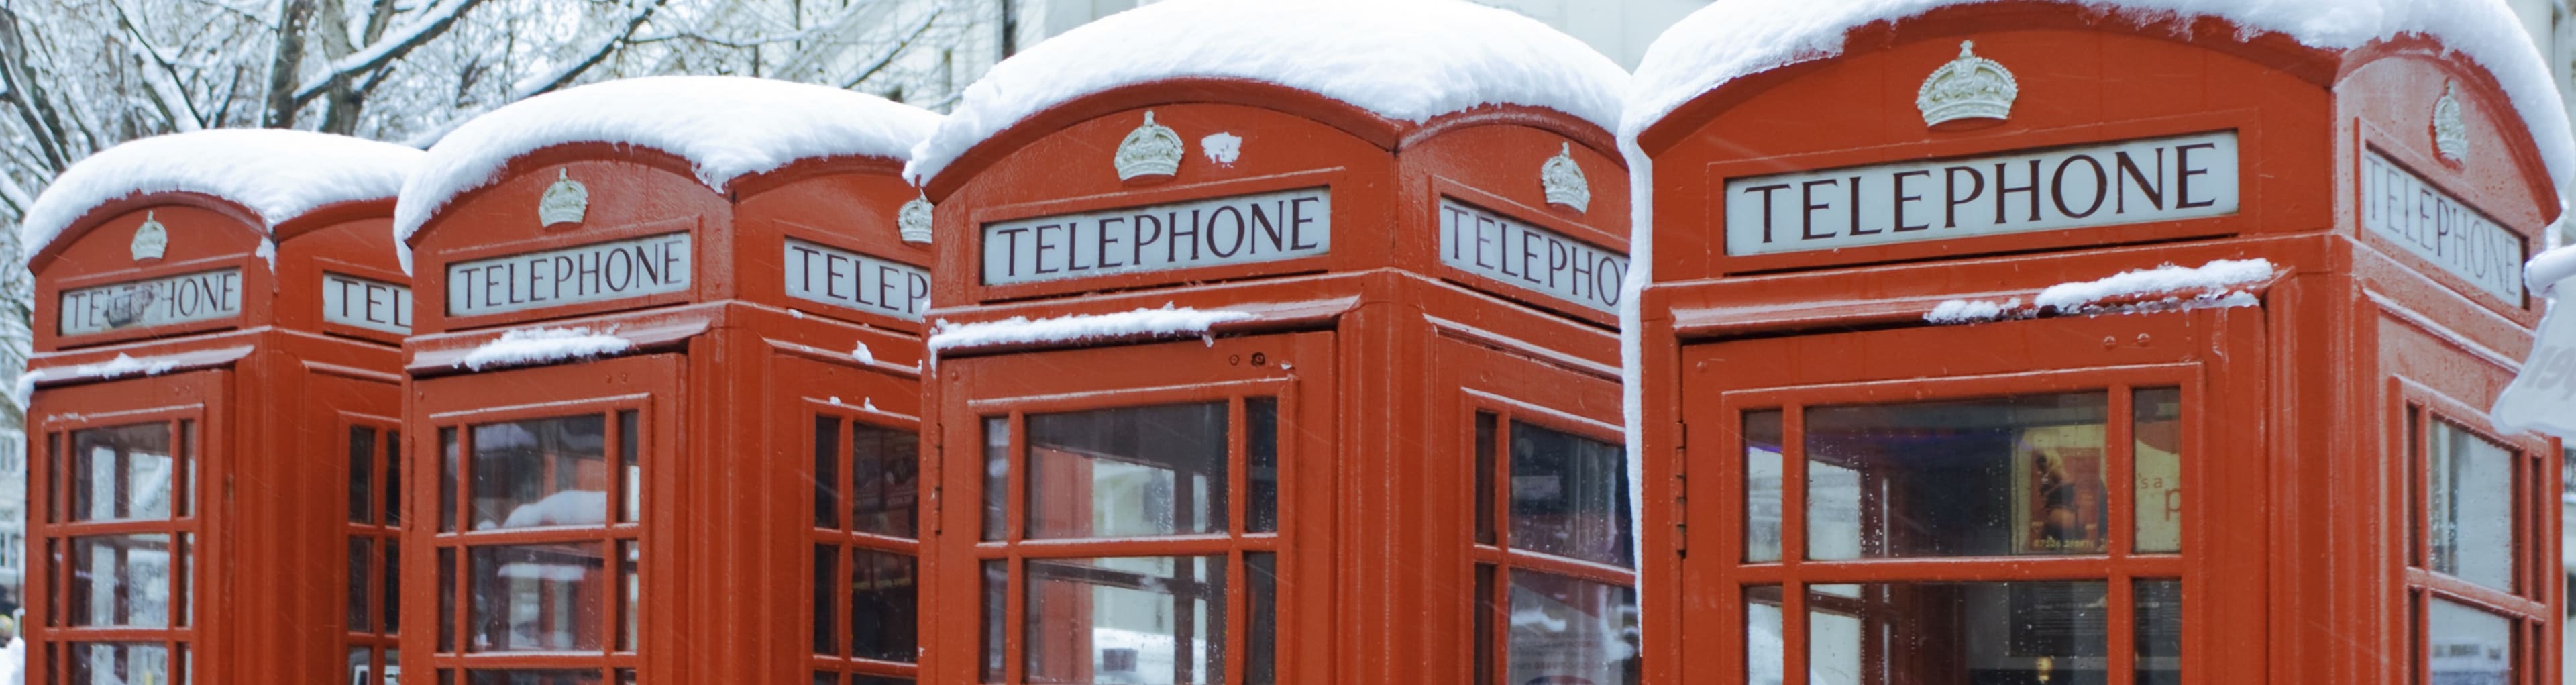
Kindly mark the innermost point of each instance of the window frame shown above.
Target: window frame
(192, 429)
(846, 540)
(2415, 408)
(1494, 562)
(383, 530)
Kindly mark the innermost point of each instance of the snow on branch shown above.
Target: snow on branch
(1168, 321)
(2164, 288)
(431, 22)
(524, 346)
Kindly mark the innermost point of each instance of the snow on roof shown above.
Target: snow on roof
(123, 365)
(1736, 38)
(2214, 284)
(277, 173)
(725, 126)
(1408, 60)
(525, 346)
(2548, 268)
(1019, 330)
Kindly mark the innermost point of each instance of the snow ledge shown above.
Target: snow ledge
(529, 346)
(2219, 283)
(1168, 321)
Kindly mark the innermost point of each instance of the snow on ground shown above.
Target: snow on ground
(122, 365)
(2209, 285)
(1736, 38)
(2548, 268)
(278, 174)
(1408, 60)
(524, 346)
(1020, 330)
(726, 126)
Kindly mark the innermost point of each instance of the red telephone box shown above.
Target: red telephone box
(1927, 399)
(1238, 381)
(215, 397)
(665, 389)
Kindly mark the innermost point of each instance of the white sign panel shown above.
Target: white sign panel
(201, 296)
(2086, 186)
(2398, 205)
(369, 304)
(1244, 229)
(1497, 247)
(840, 277)
(587, 273)
(2543, 396)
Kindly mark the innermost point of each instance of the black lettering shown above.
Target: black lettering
(1297, 221)
(1229, 247)
(1951, 176)
(2057, 186)
(2004, 190)
(1807, 218)
(1102, 240)
(1902, 198)
(2184, 172)
(1011, 249)
(2151, 186)
(1766, 192)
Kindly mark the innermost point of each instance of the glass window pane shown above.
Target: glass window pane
(884, 606)
(1569, 496)
(121, 473)
(827, 573)
(1994, 476)
(120, 580)
(531, 598)
(541, 472)
(1126, 619)
(2155, 424)
(1565, 630)
(362, 668)
(448, 470)
(878, 680)
(361, 556)
(2018, 632)
(1158, 470)
(996, 598)
(630, 449)
(392, 584)
(1486, 607)
(187, 478)
(187, 599)
(1762, 486)
(446, 599)
(886, 481)
(1765, 655)
(118, 663)
(532, 676)
(627, 593)
(1261, 627)
(1487, 436)
(362, 475)
(2159, 631)
(1261, 454)
(997, 480)
(2470, 489)
(827, 472)
(2469, 646)
(393, 478)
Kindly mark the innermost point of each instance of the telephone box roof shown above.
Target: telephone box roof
(1737, 38)
(1408, 60)
(279, 174)
(725, 126)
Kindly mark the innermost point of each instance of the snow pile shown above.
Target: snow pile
(1408, 60)
(566, 508)
(278, 174)
(1737, 38)
(1020, 330)
(2210, 285)
(2546, 270)
(726, 126)
(863, 354)
(522, 346)
(1222, 147)
(122, 365)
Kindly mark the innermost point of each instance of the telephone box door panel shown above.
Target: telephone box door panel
(2031, 501)
(1157, 513)
(849, 438)
(119, 523)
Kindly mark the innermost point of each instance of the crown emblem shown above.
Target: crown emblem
(1564, 182)
(913, 220)
(150, 239)
(2450, 127)
(564, 202)
(1969, 88)
(1152, 151)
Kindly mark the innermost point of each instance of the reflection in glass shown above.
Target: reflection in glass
(827, 472)
(1762, 486)
(393, 478)
(1261, 454)
(362, 475)
(446, 599)
(392, 584)
(2159, 631)
(2018, 632)
(1571, 631)
(1765, 655)
(120, 580)
(884, 480)
(535, 598)
(627, 593)
(884, 598)
(541, 472)
(117, 663)
(121, 473)
(1146, 620)
(827, 567)
(1261, 633)
(361, 556)
(997, 481)
(996, 598)
(449, 470)
(2468, 646)
(1134, 471)
(1993, 476)
(1486, 438)
(2469, 489)
(1486, 610)
(2155, 416)
(1569, 496)
(630, 449)
(531, 676)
